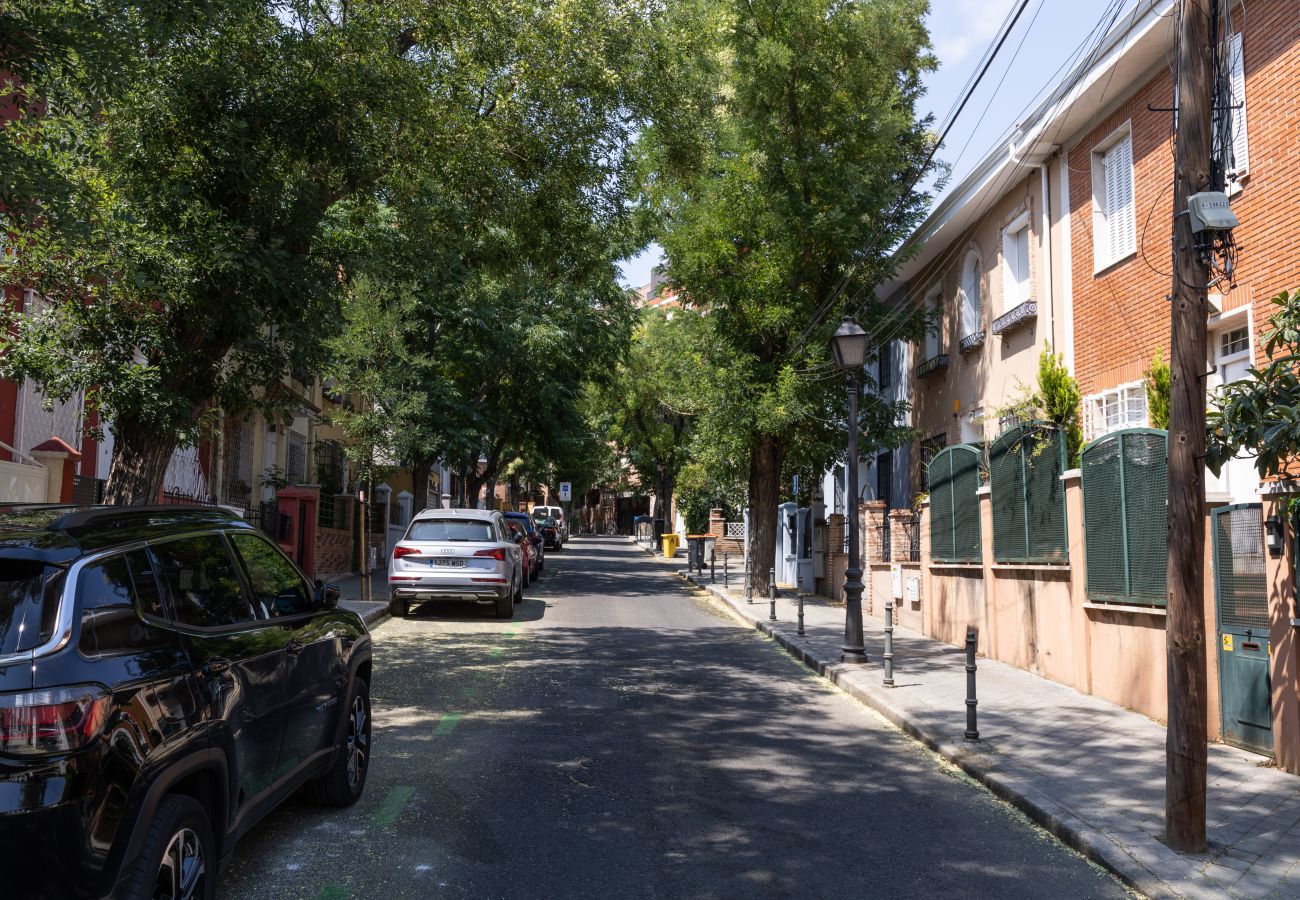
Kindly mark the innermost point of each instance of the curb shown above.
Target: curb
(1043, 811)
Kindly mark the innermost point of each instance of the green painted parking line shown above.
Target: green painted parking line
(391, 806)
(447, 723)
(334, 892)
(496, 651)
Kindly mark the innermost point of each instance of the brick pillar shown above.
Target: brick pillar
(871, 518)
(836, 558)
(900, 539)
(717, 523)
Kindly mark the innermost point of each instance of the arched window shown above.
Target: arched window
(972, 302)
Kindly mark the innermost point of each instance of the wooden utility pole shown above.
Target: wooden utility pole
(1185, 744)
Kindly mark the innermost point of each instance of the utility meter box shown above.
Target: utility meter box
(1210, 211)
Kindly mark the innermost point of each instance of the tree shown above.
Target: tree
(1261, 414)
(184, 215)
(805, 176)
(1156, 382)
(1059, 398)
(649, 407)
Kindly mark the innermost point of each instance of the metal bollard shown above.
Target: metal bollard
(749, 582)
(889, 642)
(972, 731)
(726, 570)
(800, 629)
(771, 595)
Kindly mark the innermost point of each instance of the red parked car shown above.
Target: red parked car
(520, 536)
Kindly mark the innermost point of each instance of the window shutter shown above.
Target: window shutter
(1239, 164)
(1121, 224)
(1022, 268)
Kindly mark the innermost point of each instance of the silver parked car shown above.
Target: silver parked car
(456, 554)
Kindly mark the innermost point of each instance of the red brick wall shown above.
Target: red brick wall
(1121, 314)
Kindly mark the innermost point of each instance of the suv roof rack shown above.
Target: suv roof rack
(84, 516)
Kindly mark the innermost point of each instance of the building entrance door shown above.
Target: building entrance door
(1241, 610)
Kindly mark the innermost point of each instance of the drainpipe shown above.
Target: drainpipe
(1048, 286)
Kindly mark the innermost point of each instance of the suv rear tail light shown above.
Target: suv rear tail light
(51, 721)
(497, 553)
(399, 552)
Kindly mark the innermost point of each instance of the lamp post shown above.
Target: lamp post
(849, 346)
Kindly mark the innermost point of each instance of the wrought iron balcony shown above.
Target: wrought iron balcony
(932, 365)
(972, 342)
(1009, 321)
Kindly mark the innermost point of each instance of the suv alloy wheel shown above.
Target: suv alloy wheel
(178, 861)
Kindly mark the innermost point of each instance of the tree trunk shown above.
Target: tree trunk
(420, 469)
(765, 461)
(140, 457)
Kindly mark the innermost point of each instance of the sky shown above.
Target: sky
(1046, 34)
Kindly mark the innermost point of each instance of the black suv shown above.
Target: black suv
(167, 677)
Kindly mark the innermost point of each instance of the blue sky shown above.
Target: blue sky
(960, 30)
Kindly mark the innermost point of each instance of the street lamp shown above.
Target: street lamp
(849, 346)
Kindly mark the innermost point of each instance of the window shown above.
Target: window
(1236, 161)
(884, 477)
(1235, 341)
(933, 324)
(886, 375)
(1016, 286)
(29, 601)
(931, 446)
(971, 300)
(1114, 218)
(278, 588)
(1121, 407)
(452, 530)
(201, 578)
(107, 593)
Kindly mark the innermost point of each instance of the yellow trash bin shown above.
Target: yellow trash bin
(670, 545)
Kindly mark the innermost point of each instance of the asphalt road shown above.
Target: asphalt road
(625, 738)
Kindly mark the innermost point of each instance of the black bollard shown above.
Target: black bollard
(726, 570)
(972, 731)
(889, 642)
(771, 595)
(799, 631)
(713, 572)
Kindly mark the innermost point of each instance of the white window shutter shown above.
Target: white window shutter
(1120, 217)
(1022, 256)
(1240, 163)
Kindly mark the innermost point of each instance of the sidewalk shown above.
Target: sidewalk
(1087, 770)
(350, 589)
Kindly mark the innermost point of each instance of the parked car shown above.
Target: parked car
(534, 537)
(520, 537)
(550, 533)
(456, 554)
(167, 678)
(556, 513)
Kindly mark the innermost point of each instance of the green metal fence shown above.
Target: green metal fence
(1025, 467)
(953, 477)
(1125, 522)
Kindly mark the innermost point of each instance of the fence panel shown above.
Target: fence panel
(1025, 467)
(953, 478)
(1125, 483)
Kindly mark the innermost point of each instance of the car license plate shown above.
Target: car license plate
(448, 563)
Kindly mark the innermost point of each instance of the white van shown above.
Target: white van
(556, 513)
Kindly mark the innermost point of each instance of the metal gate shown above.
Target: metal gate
(1241, 607)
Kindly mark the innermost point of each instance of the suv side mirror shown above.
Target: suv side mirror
(327, 595)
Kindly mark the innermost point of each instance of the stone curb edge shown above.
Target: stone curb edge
(1048, 814)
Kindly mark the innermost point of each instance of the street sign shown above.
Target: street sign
(566, 491)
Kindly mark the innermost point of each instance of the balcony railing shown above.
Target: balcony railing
(932, 365)
(1021, 315)
(972, 341)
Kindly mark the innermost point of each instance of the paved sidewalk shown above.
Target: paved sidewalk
(350, 588)
(1090, 771)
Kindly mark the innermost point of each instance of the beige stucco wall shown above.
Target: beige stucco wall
(1005, 368)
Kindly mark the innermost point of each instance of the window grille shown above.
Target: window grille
(1125, 521)
(1114, 409)
(1025, 466)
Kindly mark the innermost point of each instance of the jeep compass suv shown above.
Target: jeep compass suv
(167, 677)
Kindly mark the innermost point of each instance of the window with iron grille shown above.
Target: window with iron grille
(931, 446)
(1112, 410)
(1025, 466)
(295, 460)
(886, 373)
(1125, 480)
(953, 480)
